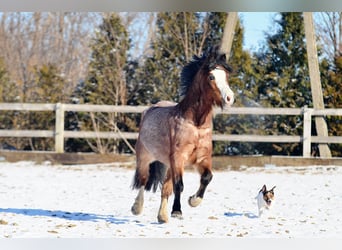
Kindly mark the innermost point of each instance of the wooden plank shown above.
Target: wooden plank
(38, 157)
(216, 137)
(27, 106)
(26, 133)
(275, 111)
(258, 138)
(104, 108)
(325, 112)
(104, 135)
(139, 109)
(220, 163)
(327, 139)
(134, 135)
(259, 111)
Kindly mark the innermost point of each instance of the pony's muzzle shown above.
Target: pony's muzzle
(229, 99)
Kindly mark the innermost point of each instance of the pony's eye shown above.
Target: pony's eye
(211, 77)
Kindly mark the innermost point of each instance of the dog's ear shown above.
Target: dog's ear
(263, 189)
(272, 190)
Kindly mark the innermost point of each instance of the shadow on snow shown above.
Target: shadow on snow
(74, 216)
(248, 215)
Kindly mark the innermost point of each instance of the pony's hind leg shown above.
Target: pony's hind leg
(140, 180)
(138, 202)
(165, 193)
(156, 175)
(141, 177)
(196, 199)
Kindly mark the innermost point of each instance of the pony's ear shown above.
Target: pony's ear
(216, 57)
(222, 57)
(212, 65)
(213, 52)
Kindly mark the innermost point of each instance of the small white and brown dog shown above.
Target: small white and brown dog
(265, 199)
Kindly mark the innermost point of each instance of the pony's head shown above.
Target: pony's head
(210, 72)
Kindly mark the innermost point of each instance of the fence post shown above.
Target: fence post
(59, 128)
(307, 131)
(315, 82)
(228, 33)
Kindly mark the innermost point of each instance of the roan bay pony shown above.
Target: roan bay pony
(172, 135)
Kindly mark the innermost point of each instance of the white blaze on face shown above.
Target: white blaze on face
(222, 84)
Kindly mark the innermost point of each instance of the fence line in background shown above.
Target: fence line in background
(60, 134)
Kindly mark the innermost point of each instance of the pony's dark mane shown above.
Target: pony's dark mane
(206, 62)
(189, 72)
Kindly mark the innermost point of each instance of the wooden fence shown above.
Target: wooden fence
(60, 134)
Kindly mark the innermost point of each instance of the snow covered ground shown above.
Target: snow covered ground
(94, 201)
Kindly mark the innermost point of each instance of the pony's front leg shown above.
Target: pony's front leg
(165, 193)
(196, 199)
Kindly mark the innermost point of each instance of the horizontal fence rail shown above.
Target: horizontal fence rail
(60, 134)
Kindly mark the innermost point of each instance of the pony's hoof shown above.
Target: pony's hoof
(194, 201)
(177, 214)
(163, 219)
(136, 209)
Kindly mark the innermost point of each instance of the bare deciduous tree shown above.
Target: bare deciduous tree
(141, 27)
(329, 29)
(33, 42)
(30, 40)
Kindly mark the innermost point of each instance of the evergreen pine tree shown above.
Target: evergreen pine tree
(179, 36)
(331, 76)
(174, 44)
(8, 90)
(286, 80)
(8, 93)
(105, 83)
(243, 84)
(49, 85)
(48, 88)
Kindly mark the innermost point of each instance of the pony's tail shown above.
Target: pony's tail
(156, 177)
